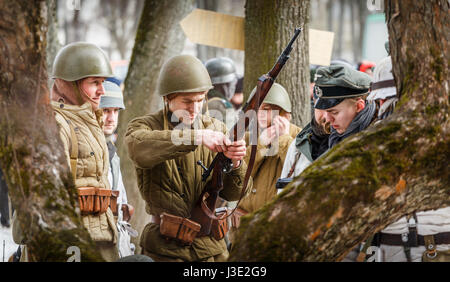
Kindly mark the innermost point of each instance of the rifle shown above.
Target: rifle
(204, 210)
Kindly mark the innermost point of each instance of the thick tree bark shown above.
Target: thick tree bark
(371, 179)
(269, 25)
(31, 154)
(159, 37)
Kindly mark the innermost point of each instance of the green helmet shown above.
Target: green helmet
(80, 60)
(221, 70)
(277, 96)
(113, 97)
(183, 74)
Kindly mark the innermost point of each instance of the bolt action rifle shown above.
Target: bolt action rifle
(204, 210)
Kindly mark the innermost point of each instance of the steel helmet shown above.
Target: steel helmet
(183, 74)
(277, 96)
(80, 60)
(221, 70)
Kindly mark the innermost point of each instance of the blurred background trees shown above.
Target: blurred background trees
(359, 26)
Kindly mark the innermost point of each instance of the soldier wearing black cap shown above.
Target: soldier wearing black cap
(341, 92)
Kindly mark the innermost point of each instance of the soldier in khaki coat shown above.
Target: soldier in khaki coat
(165, 147)
(277, 133)
(78, 72)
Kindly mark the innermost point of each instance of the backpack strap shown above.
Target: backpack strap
(74, 145)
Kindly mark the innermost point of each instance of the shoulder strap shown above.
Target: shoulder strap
(74, 146)
(297, 157)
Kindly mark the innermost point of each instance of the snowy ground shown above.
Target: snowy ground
(7, 245)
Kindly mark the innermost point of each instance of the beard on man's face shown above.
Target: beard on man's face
(324, 126)
(321, 127)
(109, 128)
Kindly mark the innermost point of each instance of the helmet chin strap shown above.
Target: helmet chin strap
(165, 112)
(81, 94)
(77, 93)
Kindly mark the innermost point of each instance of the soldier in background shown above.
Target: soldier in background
(111, 103)
(238, 98)
(382, 89)
(308, 145)
(276, 134)
(224, 79)
(341, 92)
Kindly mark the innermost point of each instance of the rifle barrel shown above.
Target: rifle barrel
(273, 73)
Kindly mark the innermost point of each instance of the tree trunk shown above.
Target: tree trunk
(269, 25)
(363, 12)
(120, 18)
(159, 37)
(373, 178)
(330, 12)
(353, 24)
(53, 44)
(340, 31)
(33, 160)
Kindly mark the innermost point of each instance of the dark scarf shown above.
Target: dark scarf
(318, 140)
(358, 124)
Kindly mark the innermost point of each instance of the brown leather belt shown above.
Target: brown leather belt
(396, 239)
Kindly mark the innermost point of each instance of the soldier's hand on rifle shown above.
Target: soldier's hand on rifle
(236, 152)
(213, 140)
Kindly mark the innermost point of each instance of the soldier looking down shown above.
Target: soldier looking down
(168, 177)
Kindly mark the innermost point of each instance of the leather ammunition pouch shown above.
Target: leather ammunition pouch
(96, 200)
(86, 197)
(102, 200)
(178, 228)
(113, 205)
(219, 227)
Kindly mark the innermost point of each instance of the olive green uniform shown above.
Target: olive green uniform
(170, 181)
(269, 161)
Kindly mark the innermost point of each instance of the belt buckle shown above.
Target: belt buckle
(405, 237)
(412, 229)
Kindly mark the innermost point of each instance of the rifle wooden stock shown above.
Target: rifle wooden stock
(204, 210)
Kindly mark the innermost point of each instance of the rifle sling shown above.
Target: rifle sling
(248, 173)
